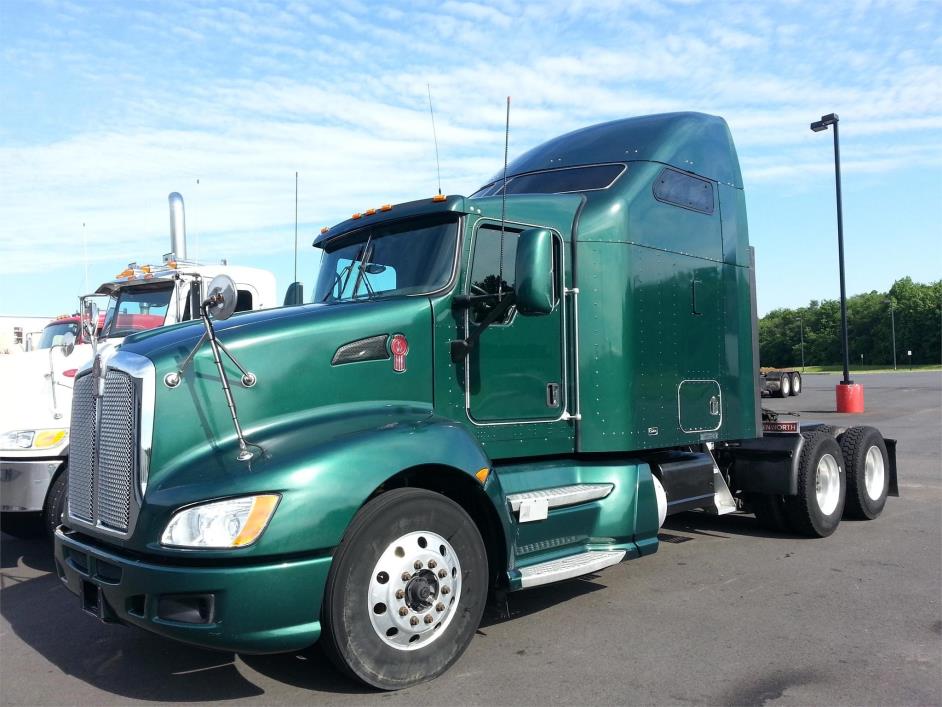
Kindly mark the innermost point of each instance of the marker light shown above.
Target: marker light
(369, 212)
(70, 372)
(325, 229)
(386, 207)
(356, 215)
(439, 197)
(48, 438)
(235, 522)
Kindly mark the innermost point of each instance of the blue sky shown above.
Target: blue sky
(108, 106)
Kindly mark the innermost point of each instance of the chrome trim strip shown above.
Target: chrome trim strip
(562, 495)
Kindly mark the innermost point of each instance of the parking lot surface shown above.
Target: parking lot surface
(724, 613)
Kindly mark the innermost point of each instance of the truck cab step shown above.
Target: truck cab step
(569, 567)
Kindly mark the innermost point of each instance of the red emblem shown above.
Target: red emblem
(399, 347)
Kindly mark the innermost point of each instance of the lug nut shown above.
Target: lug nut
(445, 590)
(400, 593)
(432, 564)
(428, 618)
(406, 576)
(403, 611)
(442, 574)
(439, 607)
(414, 621)
(418, 564)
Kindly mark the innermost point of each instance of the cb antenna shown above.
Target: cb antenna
(295, 227)
(438, 166)
(503, 204)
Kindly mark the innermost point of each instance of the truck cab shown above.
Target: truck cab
(486, 394)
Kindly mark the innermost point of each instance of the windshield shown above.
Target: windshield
(406, 258)
(138, 309)
(53, 333)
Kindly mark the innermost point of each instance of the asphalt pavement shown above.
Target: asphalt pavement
(724, 613)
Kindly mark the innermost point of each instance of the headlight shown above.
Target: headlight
(32, 439)
(235, 522)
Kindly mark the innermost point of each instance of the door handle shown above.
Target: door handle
(552, 395)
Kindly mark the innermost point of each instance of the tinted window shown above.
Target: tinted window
(243, 301)
(486, 271)
(557, 181)
(684, 190)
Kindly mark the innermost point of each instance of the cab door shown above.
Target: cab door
(516, 370)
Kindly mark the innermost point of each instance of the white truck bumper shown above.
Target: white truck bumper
(24, 483)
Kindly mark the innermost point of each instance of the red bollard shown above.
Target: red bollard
(850, 397)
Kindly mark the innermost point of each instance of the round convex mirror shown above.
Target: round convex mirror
(221, 300)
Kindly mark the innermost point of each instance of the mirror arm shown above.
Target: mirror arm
(462, 347)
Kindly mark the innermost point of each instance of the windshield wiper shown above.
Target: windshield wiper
(365, 255)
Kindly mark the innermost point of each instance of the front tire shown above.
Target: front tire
(55, 503)
(868, 478)
(406, 590)
(822, 486)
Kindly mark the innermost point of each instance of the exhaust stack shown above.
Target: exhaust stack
(177, 226)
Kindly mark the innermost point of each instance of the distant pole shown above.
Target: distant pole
(801, 332)
(840, 250)
(893, 329)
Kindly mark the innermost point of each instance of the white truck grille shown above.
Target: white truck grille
(103, 451)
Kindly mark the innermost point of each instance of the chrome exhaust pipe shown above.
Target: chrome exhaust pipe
(177, 226)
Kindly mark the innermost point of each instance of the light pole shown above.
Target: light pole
(893, 327)
(801, 333)
(849, 395)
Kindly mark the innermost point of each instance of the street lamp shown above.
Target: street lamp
(849, 394)
(892, 327)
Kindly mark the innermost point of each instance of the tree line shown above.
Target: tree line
(916, 310)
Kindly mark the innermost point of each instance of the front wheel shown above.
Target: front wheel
(55, 503)
(406, 589)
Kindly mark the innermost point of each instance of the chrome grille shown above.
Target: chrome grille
(116, 443)
(103, 451)
(82, 450)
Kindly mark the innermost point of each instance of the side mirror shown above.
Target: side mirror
(534, 272)
(90, 320)
(221, 301)
(68, 343)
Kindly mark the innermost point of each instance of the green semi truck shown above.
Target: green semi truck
(487, 394)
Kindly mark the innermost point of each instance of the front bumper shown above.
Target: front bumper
(24, 483)
(247, 608)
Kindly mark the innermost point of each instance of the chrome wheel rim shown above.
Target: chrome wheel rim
(414, 590)
(827, 484)
(874, 473)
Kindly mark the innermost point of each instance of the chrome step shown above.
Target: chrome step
(568, 567)
(561, 495)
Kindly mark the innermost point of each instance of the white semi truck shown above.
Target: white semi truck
(36, 386)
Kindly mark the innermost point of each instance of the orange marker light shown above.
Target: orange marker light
(356, 216)
(386, 207)
(261, 512)
(439, 197)
(325, 229)
(482, 474)
(370, 212)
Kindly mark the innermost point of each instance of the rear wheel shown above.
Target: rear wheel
(796, 383)
(406, 590)
(784, 386)
(868, 478)
(822, 486)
